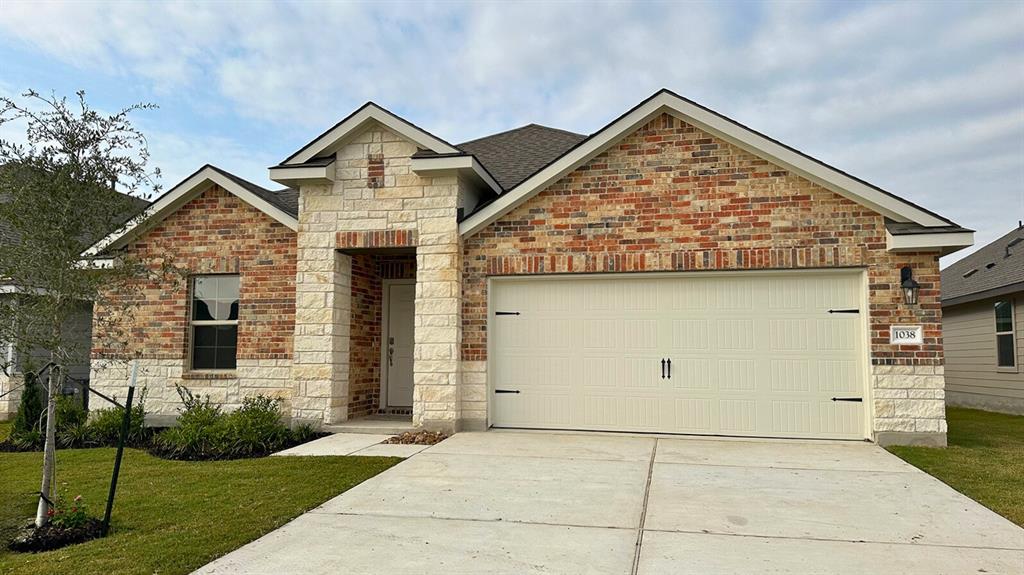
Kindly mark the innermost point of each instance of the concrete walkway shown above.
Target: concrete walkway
(353, 444)
(518, 503)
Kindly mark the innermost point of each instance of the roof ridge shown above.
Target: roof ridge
(523, 127)
(237, 178)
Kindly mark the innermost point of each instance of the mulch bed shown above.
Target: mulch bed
(417, 438)
(49, 537)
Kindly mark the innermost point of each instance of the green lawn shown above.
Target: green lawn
(170, 516)
(984, 460)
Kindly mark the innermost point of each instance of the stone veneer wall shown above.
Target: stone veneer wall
(397, 209)
(9, 402)
(214, 233)
(672, 198)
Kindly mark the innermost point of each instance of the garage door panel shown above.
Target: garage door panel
(736, 375)
(690, 334)
(737, 416)
(751, 354)
(789, 375)
(691, 374)
(538, 372)
(791, 417)
(620, 373)
(838, 376)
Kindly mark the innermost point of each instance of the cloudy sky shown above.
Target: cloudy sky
(923, 99)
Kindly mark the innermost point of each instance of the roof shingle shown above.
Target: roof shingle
(515, 155)
(997, 265)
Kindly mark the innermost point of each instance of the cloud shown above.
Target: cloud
(924, 99)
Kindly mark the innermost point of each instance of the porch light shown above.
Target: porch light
(909, 285)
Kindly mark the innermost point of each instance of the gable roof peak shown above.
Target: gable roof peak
(281, 205)
(351, 124)
(720, 126)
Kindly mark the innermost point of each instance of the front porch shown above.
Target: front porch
(376, 336)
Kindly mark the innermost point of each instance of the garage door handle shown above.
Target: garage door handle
(506, 391)
(857, 399)
(670, 368)
(662, 368)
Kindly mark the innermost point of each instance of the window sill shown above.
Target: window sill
(1007, 370)
(226, 374)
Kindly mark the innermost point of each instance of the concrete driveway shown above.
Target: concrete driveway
(518, 503)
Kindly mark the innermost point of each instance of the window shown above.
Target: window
(214, 322)
(1006, 343)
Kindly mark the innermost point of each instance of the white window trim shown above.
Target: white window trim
(192, 323)
(1015, 368)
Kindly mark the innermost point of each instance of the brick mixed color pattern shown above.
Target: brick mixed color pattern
(673, 198)
(213, 234)
(375, 204)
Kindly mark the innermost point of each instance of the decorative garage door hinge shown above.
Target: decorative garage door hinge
(506, 313)
(844, 311)
(857, 399)
(506, 391)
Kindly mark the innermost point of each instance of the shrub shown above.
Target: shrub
(205, 432)
(70, 412)
(104, 427)
(197, 434)
(255, 429)
(30, 409)
(304, 433)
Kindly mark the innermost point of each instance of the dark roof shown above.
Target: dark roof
(360, 109)
(912, 228)
(287, 199)
(133, 207)
(997, 266)
(511, 157)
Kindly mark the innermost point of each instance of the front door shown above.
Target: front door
(398, 343)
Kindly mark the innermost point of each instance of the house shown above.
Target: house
(674, 271)
(78, 330)
(983, 324)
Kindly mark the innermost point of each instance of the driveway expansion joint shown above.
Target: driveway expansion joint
(781, 468)
(643, 509)
(830, 540)
(472, 519)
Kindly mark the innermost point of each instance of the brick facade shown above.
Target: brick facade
(214, 233)
(368, 272)
(670, 197)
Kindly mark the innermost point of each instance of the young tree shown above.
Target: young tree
(77, 175)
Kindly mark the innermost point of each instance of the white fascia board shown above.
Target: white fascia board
(946, 243)
(828, 177)
(177, 197)
(303, 175)
(8, 289)
(465, 164)
(355, 122)
(95, 264)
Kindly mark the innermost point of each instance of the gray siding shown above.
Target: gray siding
(972, 379)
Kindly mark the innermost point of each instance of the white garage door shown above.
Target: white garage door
(755, 354)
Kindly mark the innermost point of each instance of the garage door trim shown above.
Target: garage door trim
(864, 320)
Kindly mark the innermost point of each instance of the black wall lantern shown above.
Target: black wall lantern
(909, 285)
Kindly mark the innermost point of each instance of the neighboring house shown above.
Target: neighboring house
(79, 327)
(672, 272)
(983, 326)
